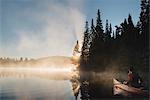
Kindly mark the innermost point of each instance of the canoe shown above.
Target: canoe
(125, 90)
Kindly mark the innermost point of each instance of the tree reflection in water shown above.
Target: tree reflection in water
(88, 87)
(96, 86)
(75, 84)
(85, 85)
(80, 85)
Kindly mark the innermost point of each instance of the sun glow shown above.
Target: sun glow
(40, 69)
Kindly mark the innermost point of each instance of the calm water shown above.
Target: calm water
(35, 85)
(55, 84)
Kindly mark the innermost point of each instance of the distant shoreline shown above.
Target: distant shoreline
(56, 61)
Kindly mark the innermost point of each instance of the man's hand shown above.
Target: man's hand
(125, 82)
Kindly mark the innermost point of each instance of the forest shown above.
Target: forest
(125, 46)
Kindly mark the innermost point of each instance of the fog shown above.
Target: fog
(41, 28)
(31, 88)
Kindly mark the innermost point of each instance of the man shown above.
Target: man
(133, 78)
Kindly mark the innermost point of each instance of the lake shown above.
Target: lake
(55, 84)
(33, 84)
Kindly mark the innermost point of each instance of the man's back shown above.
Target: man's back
(136, 79)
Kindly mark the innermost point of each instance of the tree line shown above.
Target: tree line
(10, 60)
(127, 45)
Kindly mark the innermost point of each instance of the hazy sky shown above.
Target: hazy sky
(38, 28)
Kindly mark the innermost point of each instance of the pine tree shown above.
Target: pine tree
(118, 30)
(124, 26)
(132, 34)
(21, 59)
(86, 27)
(130, 22)
(99, 26)
(144, 19)
(85, 46)
(113, 35)
(138, 27)
(144, 37)
(110, 29)
(92, 30)
(107, 28)
(93, 36)
(106, 31)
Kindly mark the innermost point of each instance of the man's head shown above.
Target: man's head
(131, 69)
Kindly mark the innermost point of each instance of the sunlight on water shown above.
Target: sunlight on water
(40, 69)
(35, 89)
(36, 83)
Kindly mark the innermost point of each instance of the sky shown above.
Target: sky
(40, 28)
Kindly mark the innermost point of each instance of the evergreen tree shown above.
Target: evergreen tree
(113, 35)
(86, 27)
(138, 27)
(128, 33)
(144, 37)
(21, 59)
(106, 31)
(99, 26)
(85, 46)
(144, 19)
(124, 32)
(92, 30)
(130, 22)
(118, 30)
(110, 29)
(107, 28)
(128, 43)
(93, 36)
(132, 33)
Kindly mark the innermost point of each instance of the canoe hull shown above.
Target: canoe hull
(125, 90)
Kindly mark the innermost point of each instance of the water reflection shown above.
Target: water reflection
(89, 86)
(95, 87)
(99, 86)
(36, 85)
(75, 84)
(46, 75)
(35, 89)
(45, 85)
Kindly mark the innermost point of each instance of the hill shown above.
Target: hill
(55, 61)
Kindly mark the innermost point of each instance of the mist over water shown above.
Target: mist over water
(39, 83)
(34, 83)
(35, 88)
